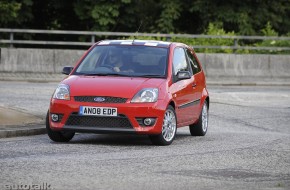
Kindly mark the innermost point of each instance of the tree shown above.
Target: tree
(100, 16)
(9, 11)
(15, 13)
(164, 16)
(171, 11)
(244, 17)
(55, 15)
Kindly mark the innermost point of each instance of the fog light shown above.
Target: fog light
(148, 121)
(54, 117)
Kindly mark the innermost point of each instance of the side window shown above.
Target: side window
(193, 62)
(179, 61)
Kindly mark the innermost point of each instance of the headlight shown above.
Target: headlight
(146, 95)
(62, 92)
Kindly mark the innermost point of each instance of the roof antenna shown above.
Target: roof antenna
(138, 30)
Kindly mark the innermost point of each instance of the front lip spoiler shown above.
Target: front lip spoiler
(97, 130)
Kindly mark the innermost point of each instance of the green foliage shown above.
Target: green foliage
(145, 38)
(170, 12)
(165, 16)
(269, 31)
(216, 29)
(210, 17)
(104, 14)
(9, 11)
(213, 29)
(245, 17)
(15, 13)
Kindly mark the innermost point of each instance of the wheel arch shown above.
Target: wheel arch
(171, 103)
(205, 97)
(207, 100)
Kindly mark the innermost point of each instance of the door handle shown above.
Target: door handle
(194, 84)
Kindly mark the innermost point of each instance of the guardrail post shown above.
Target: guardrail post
(11, 39)
(235, 45)
(93, 39)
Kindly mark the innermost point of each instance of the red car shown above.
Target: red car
(131, 86)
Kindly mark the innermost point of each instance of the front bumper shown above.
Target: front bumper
(125, 122)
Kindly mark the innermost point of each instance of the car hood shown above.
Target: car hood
(114, 86)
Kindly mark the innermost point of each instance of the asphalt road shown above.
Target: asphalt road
(247, 147)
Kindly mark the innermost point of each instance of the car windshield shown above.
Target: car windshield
(125, 60)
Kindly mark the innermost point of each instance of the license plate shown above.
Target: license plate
(102, 111)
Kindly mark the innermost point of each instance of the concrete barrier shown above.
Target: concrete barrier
(244, 65)
(37, 60)
(215, 65)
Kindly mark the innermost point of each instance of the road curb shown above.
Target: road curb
(18, 131)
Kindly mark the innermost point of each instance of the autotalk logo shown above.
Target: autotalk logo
(99, 99)
(43, 186)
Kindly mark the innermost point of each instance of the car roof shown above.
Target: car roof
(163, 44)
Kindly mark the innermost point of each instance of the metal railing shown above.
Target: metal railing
(12, 41)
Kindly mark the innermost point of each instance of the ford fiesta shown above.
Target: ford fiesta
(131, 86)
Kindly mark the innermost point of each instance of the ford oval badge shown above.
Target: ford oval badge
(99, 99)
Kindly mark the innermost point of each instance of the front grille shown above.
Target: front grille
(93, 121)
(107, 99)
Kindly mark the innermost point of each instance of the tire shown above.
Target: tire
(58, 136)
(200, 128)
(169, 128)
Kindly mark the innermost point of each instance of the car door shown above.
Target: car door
(198, 82)
(182, 90)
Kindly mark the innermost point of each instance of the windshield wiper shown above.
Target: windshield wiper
(106, 74)
(151, 75)
(124, 75)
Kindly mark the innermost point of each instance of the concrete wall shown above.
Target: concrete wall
(37, 60)
(246, 65)
(215, 65)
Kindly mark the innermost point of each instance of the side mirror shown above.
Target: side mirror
(67, 70)
(181, 75)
